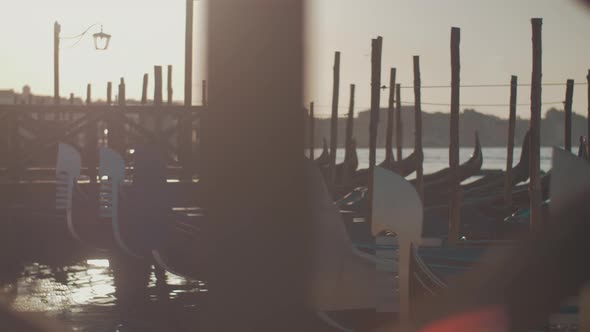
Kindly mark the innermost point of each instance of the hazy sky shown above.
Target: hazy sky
(495, 43)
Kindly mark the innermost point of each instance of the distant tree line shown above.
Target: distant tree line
(492, 130)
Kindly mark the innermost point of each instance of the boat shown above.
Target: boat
(324, 158)
(440, 179)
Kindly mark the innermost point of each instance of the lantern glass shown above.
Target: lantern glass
(101, 40)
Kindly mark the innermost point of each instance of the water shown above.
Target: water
(83, 294)
(84, 297)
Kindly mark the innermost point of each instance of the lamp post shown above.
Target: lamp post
(101, 43)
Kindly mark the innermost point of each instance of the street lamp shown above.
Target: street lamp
(101, 43)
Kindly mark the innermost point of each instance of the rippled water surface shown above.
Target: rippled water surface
(84, 297)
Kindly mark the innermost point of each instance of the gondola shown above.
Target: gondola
(440, 179)
(324, 158)
(80, 206)
(344, 171)
(519, 173)
(351, 198)
(402, 167)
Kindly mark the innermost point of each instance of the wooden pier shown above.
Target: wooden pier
(30, 134)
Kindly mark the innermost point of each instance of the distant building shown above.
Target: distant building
(7, 97)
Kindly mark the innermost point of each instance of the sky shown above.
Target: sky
(495, 44)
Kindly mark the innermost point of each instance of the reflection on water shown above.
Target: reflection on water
(84, 296)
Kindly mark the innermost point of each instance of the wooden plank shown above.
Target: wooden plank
(399, 126)
(536, 87)
(334, 119)
(390, 117)
(455, 185)
(418, 127)
(569, 95)
(510, 147)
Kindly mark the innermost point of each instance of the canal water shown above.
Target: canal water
(84, 295)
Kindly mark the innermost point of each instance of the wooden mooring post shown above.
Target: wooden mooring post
(536, 87)
(350, 121)
(418, 128)
(588, 113)
(91, 147)
(169, 91)
(204, 93)
(144, 89)
(188, 54)
(510, 147)
(15, 162)
(390, 117)
(88, 94)
(569, 95)
(399, 133)
(116, 129)
(311, 132)
(334, 119)
(376, 51)
(109, 93)
(455, 184)
(158, 85)
(122, 93)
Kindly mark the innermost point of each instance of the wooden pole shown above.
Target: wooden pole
(588, 114)
(510, 149)
(376, 46)
(144, 89)
(204, 93)
(390, 117)
(536, 81)
(88, 94)
(170, 90)
(91, 141)
(109, 93)
(311, 132)
(350, 121)
(188, 55)
(56, 33)
(569, 95)
(399, 133)
(375, 100)
(334, 121)
(158, 85)
(122, 93)
(256, 97)
(455, 204)
(418, 126)
(15, 161)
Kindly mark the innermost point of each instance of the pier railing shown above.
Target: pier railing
(30, 134)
